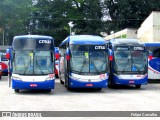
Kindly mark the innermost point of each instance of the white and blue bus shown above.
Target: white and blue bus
(31, 59)
(128, 62)
(83, 62)
(154, 61)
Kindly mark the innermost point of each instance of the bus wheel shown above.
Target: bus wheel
(57, 76)
(48, 90)
(67, 86)
(61, 82)
(99, 89)
(110, 84)
(16, 90)
(138, 86)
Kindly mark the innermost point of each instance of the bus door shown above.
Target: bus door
(0, 69)
(62, 64)
(154, 65)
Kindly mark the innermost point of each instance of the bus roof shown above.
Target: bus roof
(33, 42)
(83, 39)
(125, 41)
(152, 44)
(32, 36)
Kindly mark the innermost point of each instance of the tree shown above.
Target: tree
(53, 17)
(13, 18)
(128, 13)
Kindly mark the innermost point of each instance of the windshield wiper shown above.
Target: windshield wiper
(39, 67)
(84, 63)
(126, 66)
(27, 66)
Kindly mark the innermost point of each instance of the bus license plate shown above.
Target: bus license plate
(131, 81)
(33, 85)
(89, 85)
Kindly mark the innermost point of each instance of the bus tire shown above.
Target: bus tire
(61, 82)
(110, 84)
(99, 89)
(48, 90)
(16, 90)
(138, 86)
(56, 76)
(67, 85)
(66, 82)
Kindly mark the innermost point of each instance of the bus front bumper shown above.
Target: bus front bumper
(80, 84)
(116, 80)
(18, 84)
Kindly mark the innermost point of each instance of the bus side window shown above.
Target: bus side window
(156, 53)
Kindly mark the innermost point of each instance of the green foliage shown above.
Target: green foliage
(129, 13)
(51, 17)
(13, 16)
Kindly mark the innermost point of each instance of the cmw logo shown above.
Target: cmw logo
(45, 41)
(138, 48)
(99, 47)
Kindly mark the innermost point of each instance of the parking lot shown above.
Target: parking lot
(122, 98)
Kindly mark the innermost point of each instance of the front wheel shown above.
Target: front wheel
(61, 82)
(138, 86)
(16, 90)
(56, 76)
(110, 84)
(48, 90)
(99, 89)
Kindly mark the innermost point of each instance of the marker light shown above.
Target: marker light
(150, 57)
(110, 58)
(67, 57)
(57, 56)
(7, 56)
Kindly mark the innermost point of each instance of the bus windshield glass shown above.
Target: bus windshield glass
(88, 59)
(29, 62)
(130, 59)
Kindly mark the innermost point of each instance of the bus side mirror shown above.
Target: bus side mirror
(110, 57)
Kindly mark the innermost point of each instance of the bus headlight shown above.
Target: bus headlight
(16, 78)
(49, 78)
(103, 77)
(74, 78)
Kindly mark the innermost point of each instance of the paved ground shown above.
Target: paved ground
(123, 98)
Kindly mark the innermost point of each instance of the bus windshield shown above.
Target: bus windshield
(32, 62)
(88, 59)
(130, 60)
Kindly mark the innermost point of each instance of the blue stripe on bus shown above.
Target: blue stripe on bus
(18, 84)
(152, 44)
(155, 64)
